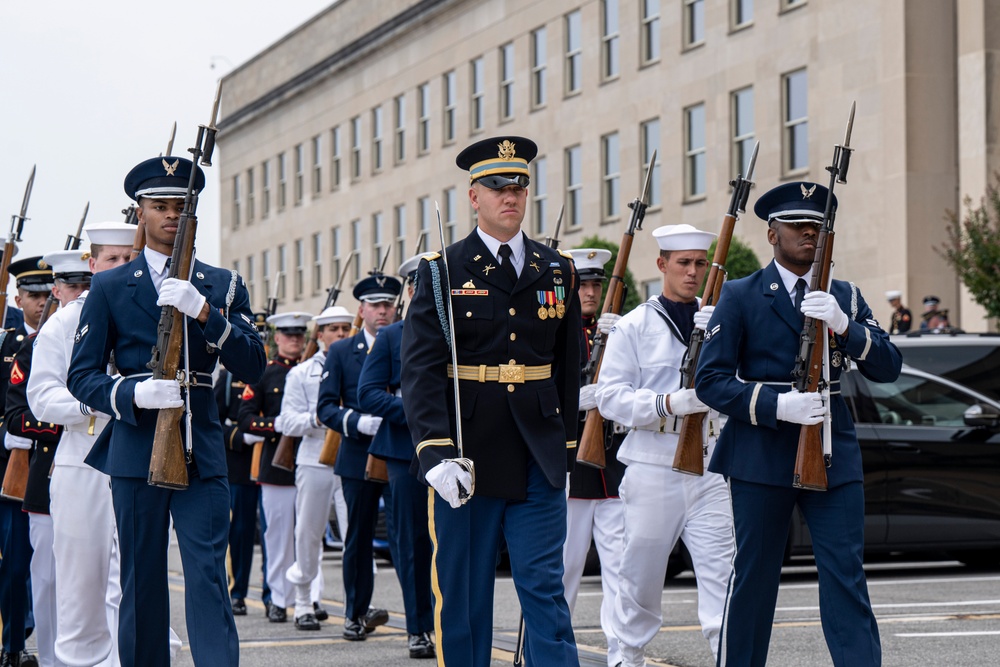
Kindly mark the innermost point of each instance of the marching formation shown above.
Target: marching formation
(706, 420)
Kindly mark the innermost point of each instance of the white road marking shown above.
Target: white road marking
(947, 634)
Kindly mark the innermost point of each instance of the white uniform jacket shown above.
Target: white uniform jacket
(298, 410)
(642, 359)
(48, 396)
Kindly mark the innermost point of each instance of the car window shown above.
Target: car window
(917, 401)
(974, 366)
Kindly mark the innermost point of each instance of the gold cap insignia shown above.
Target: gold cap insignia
(85, 256)
(171, 168)
(807, 192)
(469, 285)
(506, 151)
(42, 264)
(592, 254)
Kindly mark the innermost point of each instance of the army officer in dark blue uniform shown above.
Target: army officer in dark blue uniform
(745, 372)
(120, 316)
(517, 321)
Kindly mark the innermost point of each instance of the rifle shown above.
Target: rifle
(168, 462)
(810, 364)
(375, 468)
(553, 241)
(272, 306)
(590, 450)
(72, 243)
(399, 300)
(332, 294)
(139, 240)
(689, 458)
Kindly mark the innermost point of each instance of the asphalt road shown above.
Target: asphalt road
(929, 613)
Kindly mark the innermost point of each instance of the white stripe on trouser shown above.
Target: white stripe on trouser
(314, 486)
(604, 520)
(279, 514)
(662, 506)
(43, 587)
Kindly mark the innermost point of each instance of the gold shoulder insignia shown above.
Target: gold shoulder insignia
(566, 255)
(430, 256)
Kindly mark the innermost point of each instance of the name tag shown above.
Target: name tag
(470, 292)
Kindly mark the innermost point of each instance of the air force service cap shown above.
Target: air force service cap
(292, 324)
(590, 262)
(162, 178)
(70, 266)
(334, 315)
(33, 274)
(377, 288)
(498, 161)
(682, 237)
(110, 233)
(794, 202)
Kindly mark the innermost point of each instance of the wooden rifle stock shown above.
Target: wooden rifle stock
(258, 449)
(284, 455)
(15, 479)
(376, 470)
(331, 445)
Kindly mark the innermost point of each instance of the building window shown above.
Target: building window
(378, 238)
(477, 70)
(356, 248)
(317, 257)
(448, 215)
(574, 52)
(265, 273)
(449, 106)
(743, 132)
(236, 201)
(649, 136)
(282, 181)
(356, 148)
(282, 270)
(299, 172)
(399, 114)
(538, 90)
(791, 4)
(376, 139)
(399, 222)
(650, 30)
(610, 39)
(335, 158)
(651, 288)
(507, 81)
(694, 22)
(335, 267)
(694, 151)
(249, 278)
(265, 174)
(251, 204)
(317, 170)
(740, 13)
(574, 187)
(610, 176)
(300, 268)
(796, 121)
(424, 207)
(539, 195)
(424, 123)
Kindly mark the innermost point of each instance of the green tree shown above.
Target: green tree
(973, 248)
(632, 296)
(740, 262)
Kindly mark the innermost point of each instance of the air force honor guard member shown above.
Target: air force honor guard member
(120, 316)
(745, 371)
(517, 336)
(83, 520)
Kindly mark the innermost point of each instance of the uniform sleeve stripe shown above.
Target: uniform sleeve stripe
(225, 334)
(435, 443)
(868, 345)
(114, 397)
(344, 423)
(753, 403)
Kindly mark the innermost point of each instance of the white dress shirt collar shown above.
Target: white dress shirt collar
(516, 247)
(789, 279)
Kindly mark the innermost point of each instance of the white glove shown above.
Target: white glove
(702, 317)
(588, 397)
(12, 442)
(686, 402)
(823, 306)
(251, 439)
(446, 477)
(606, 321)
(800, 407)
(368, 424)
(182, 295)
(158, 394)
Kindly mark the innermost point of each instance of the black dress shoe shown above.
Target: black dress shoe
(353, 630)
(277, 614)
(267, 609)
(421, 645)
(306, 622)
(239, 607)
(320, 613)
(374, 618)
(28, 660)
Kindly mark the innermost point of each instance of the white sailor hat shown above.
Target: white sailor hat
(408, 269)
(70, 266)
(333, 314)
(893, 294)
(682, 237)
(110, 233)
(290, 323)
(590, 262)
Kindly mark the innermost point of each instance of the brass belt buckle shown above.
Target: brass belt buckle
(511, 374)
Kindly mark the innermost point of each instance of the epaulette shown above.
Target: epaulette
(565, 254)
(430, 256)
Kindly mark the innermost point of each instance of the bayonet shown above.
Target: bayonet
(170, 144)
(17, 221)
(553, 241)
(649, 177)
(73, 242)
(210, 130)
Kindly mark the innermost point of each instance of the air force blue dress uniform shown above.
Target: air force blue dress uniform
(746, 362)
(120, 316)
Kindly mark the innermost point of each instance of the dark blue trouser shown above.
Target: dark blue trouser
(15, 593)
(362, 512)
(265, 594)
(243, 504)
(412, 556)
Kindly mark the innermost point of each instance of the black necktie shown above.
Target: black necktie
(800, 294)
(506, 263)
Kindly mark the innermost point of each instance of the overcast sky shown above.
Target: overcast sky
(89, 89)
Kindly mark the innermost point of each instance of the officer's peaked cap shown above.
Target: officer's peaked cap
(506, 157)
(377, 288)
(163, 178)
(794, 202)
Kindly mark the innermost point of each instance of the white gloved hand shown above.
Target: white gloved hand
(606, 322)
(251, 439)
(800, 407)
(588, 397)
(12, 442)
(686, 402)
(157, 394)
(823, 306)
(368, 424)
(446, 477)
(702, 317)
(182, 295)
